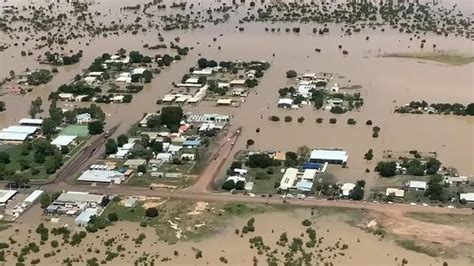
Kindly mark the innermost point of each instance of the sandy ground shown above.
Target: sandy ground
(332, 230)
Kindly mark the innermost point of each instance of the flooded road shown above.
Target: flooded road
(386, 83)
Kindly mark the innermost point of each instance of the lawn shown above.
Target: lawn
(395, 182)
(4, 225)
(76, 130)
(266, 185)
(16, 156)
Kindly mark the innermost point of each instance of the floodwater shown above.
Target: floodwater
(387, 82)
(331, 228)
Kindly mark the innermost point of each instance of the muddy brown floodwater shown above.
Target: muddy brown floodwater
(386, 82)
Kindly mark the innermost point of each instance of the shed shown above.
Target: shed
(134, 163)
(11, 136)
(63, 140)
(400, 193)
(31, 122)
(85, 216)
(329, 156)
(347, 188)
(417, 185)
(468, 197)
(285, 103)
(192, 80)
(309, 174)
(21, 129)
(33, 197)
(288, 179)
(6, 195)
(224, 101)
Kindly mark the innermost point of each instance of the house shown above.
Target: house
(83, 118)
(188, 156)
(95, 74)
(329, 156)
(85, 216)
(305, 90)
(237, 83)
(396, 192)
(6, 195)
(309, 174)
(468, 197)
(102, 176)
(238, 92)
(417, 185)
(204, 118)
(192, 81)
(66, 96)
(138, 71)
(285, 103)
(32, 198)
(335, 102)
(73, 198)
(63, 140)
(347, 188)
(204, 72)
(455, 180)
(304, 185)
(164, 156)
(236, 178)
(90, 80)
(240, 172)
(168, 98)
(13, 137)
(117, 98)
(224, 101)
(134, 163)
(288, 179)
(192, 143)
(31, 122)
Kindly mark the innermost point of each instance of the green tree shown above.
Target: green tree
(113, 217)
(432, 166)
(95, 127)
(171, 117)
(386, 169)
(250, 142)
(261, 160)
(122, 139)
(228, 185)
(45, 200)
(240, 185)
(3, 106)
(4, 157)
(147, 76)
(49, 126)
(111, 146)
(151, 212)
(369, 155)
(357, 193)
(141, 168)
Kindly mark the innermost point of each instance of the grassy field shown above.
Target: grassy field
(394, 182)
(76, 130)
(4, 225)
(193, 226)
(445, 58)
(16, 156)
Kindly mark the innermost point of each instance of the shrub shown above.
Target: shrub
(291, 74)
(228, 185)
(274, 118)
(368, 122)
(332, 120)
(301, 120)
(151, 212)
(319, 120)
(288, 119)
(306, 222)
(112, 217)
(351, 121)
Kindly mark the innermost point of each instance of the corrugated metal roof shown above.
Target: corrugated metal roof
(12, 136)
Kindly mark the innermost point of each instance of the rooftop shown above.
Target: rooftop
(289, 178)
(6, 195)
(13, 136)
(31, 121)
(101, 176)
(467, 196)
(79, 197)
(337, 155)
(63, 140)
(417, 184)
(21, 129)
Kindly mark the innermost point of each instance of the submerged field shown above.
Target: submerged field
(441, 57)
(234, 234)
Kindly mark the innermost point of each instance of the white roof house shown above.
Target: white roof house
(309, 174)
(63, 140)
(138, 71)
(164, 156)
(204, 71)
(192, 80)
(83, 118)
(330, 156)
(12, 136)
(469, 197)
(85, 216)
(95, 74)
(66, 96)
(418, 185)
(304, 90)
(400, 193)
(237, 82)
(288, 179)
(124, 79)
(224, 101)
(31, 122)
(347, 188)
(33, 197)
(6, 195)
(21, 129)
(101, 176)
(74, 197)
(236, 178)
(90, 80)
(285, 102)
